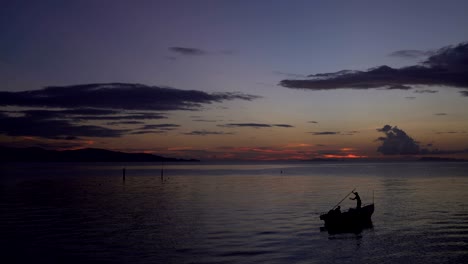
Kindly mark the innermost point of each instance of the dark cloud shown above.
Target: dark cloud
(397, 142)
(398, 87)
(349, 133)
(289, 75)
(125, 123)
(324, 133)
(426, 91)
(440, 114)
(410, 97)
(227, 96)
(464, 93)
(65, 108)
(255, 125)
(121, 96)
(206, 133)
(313, 122)
(47, 143)
(165, 127)
(30, 125)
(205, 120)
(451, 132)
(187, 51)
(90, 114)
(282, 125)
(444, 152)
(141, 132)
(344, 133)
(411, 54)
(447, 66)
(135, 116)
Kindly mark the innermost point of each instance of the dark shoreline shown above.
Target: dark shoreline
(35, 154)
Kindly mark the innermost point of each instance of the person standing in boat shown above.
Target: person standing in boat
(358, 200)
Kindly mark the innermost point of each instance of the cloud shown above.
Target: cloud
(63, 109)
(411, 54)
(90, 114)
(155, 129)
(206, 133)
(124, 123)
(282, 125)
(160, 127)
(464, 93)
(426, 91)
(410, 97)
(255, 125)
(448, 66)
(187, 51)
(30, 125)
(440, 114)
(289, 75)
(398, 87)
(117, 96)
(142, 132)
(206, 120)
(55, 143)
(313, 122)
(397, 142)
(451, 132)
(323, 133)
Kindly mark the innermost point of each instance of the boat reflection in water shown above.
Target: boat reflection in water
(352, 221)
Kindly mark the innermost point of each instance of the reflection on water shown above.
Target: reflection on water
(60, 213)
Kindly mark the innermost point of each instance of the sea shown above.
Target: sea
(231, 212)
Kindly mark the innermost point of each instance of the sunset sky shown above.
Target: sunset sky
(260, 80)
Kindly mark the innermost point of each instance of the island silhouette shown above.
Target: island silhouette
(36, 154)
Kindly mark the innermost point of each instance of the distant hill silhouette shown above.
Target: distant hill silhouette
(440, 159)
(35, 154)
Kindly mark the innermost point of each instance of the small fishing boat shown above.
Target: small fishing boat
(355, 219)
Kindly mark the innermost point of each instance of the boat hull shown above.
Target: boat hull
(352, 220)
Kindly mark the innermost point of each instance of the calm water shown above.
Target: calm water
(85, 213)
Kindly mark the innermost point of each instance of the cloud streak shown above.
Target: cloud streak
(63, 109)
(165, 127)
(207, 133)
(187, 51)
(325, 133)
(411, 54)
(255, 125)
(121, 96)
(447, 66)
(30, 125)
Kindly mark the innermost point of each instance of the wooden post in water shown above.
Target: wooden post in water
(162, 171)
(123, 174)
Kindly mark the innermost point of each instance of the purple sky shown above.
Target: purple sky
(225, 62)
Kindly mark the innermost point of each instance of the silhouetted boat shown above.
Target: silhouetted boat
(352, 220)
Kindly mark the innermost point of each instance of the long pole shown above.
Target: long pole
(343, 198)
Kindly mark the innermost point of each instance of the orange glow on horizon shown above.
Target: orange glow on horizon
(347, 156)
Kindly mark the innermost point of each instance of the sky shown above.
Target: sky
(237, 80)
